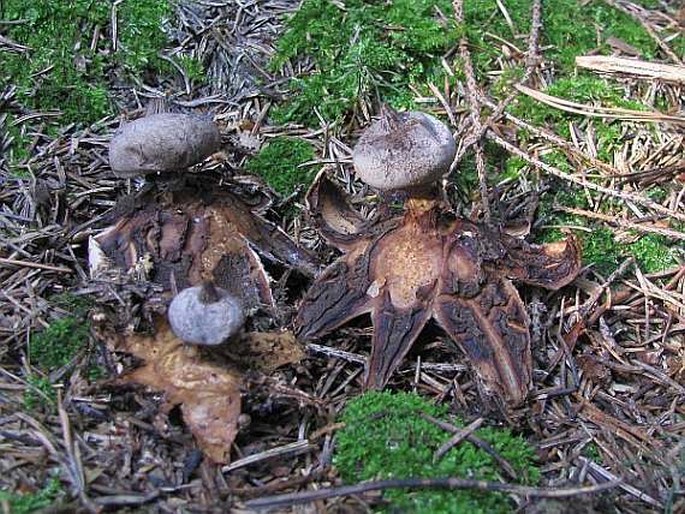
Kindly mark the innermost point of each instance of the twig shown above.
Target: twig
(474, 107)
(600, 471)
(552, 170)
(457, 438)
(127, 500)
(336, 353)
(285, 500)
(37, 265)
(532, 60)
(295, 448)
(624, 224)
(476, 441)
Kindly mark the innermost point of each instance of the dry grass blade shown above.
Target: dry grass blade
(643, 70)
(613, 113)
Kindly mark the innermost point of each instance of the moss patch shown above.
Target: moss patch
(56, 345)
(65, 66)
(32, 502)
(367, 50)
(39, 393)
(378, 51)
(385, 437)
(569, 29)
(278, 164)
(651, 252)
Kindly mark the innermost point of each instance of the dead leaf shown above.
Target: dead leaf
(207, 393)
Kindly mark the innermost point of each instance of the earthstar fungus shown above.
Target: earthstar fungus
(162, 142)
(205, 315)
(428, 263)
(403, 150)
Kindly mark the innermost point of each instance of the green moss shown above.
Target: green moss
(591, 451)
(385, 437)
(364, 51)
(277, 163)
(582, 89)
(39, 393)
(95, 372)
(569, 29)
(142, 37)
(56, 345)
(653, 254)
(27, 503)
(601, 250)
(370, 50)
(61, 71)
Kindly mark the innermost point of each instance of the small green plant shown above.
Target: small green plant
(31, 502)
(95, 372)
(601, 250)
(591, 451)
(39, 393)
(278, 164)
(653, 254)
(385, 437)
(56, 345)
(193, 68)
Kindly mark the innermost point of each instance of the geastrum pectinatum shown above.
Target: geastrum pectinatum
(427, 263)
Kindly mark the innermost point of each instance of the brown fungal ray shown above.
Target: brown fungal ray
(268, 238)
(432, 264)
(332, 214)
(207, 391)
(230, 263)
(187, 245)
(492, 330)
(337, 296)
(551, 265)
(394, 332)
(174, 231)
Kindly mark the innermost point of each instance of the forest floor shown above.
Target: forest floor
(597, 146)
